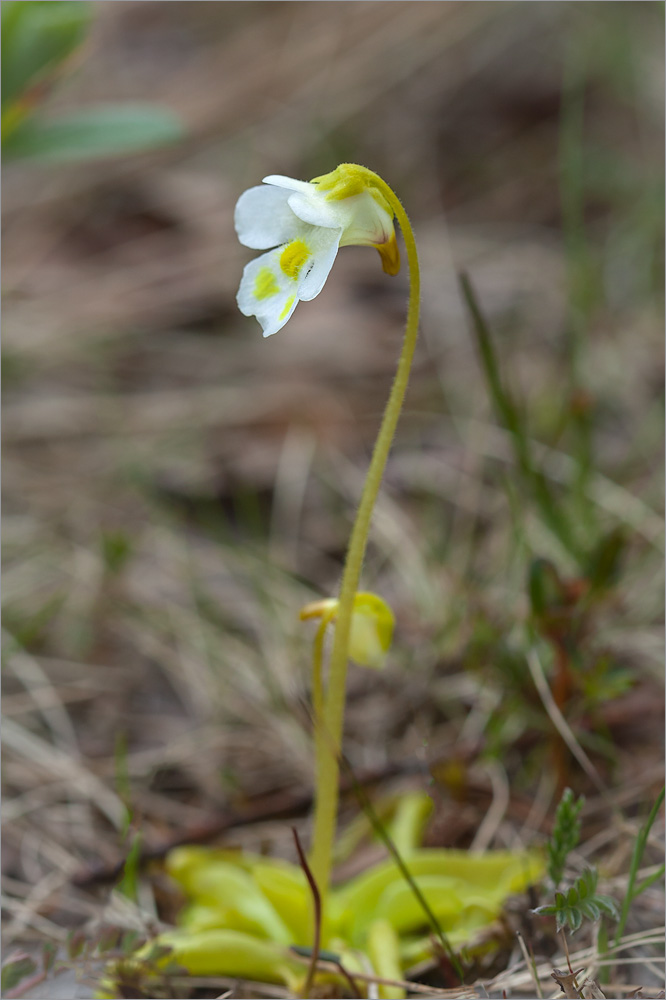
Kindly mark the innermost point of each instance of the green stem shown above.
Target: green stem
(320, 737)
(322, 749)
(326, 806)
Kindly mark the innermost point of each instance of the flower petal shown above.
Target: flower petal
(325, 243)
(364, 221)
(314, 208)
(368, 223)
(267, 292)
(263, 218)
(288, 182)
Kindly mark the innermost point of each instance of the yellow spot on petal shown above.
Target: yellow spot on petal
(293, 257)
(288, 304)
(390, 255)
(345, 181)
(265, 284)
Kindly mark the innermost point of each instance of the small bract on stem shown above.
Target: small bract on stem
(302, 225)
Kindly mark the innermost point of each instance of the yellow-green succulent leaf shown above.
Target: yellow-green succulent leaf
(492, 876)
(231, 953)
(205, 916)
(412, 812)
(383, 948)
(234, 891)
(514, 870)
(183, 862)
(404, 910)
(286, 889)
(249, 898)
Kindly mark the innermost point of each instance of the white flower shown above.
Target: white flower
(306, 223)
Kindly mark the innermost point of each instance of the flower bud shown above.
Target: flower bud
(371, 626)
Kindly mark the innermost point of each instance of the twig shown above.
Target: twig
(567, 982)
(316, 899)
(530, 963)
(515, 977)
(497, 810)
(565, 945)
(559, 721)
(326, 964)
(346, 975)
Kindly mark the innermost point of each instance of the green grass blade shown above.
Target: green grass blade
(636, 858)
(510, 417)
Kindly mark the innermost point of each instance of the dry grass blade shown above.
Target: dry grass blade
(531, 965)
(420, 989)
(560, 722)
(61, 765)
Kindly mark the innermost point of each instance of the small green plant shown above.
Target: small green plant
(85, 955)
(116, 549)
(580, 902)
(634, 890)
(41, 42)
(256, 917)
(565, 835)
(510, 415)
(16, 969)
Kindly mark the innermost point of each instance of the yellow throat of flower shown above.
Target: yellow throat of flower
(348, 180)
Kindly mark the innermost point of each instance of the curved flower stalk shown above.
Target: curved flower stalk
(306, 226)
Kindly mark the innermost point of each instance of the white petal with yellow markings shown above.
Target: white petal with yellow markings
(267, 293)
(273, 284)
(325, 243)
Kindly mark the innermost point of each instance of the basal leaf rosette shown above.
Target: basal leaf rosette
(245, 912)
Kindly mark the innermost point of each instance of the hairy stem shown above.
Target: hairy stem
(334, 704)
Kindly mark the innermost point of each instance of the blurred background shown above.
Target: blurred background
(176, 488)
